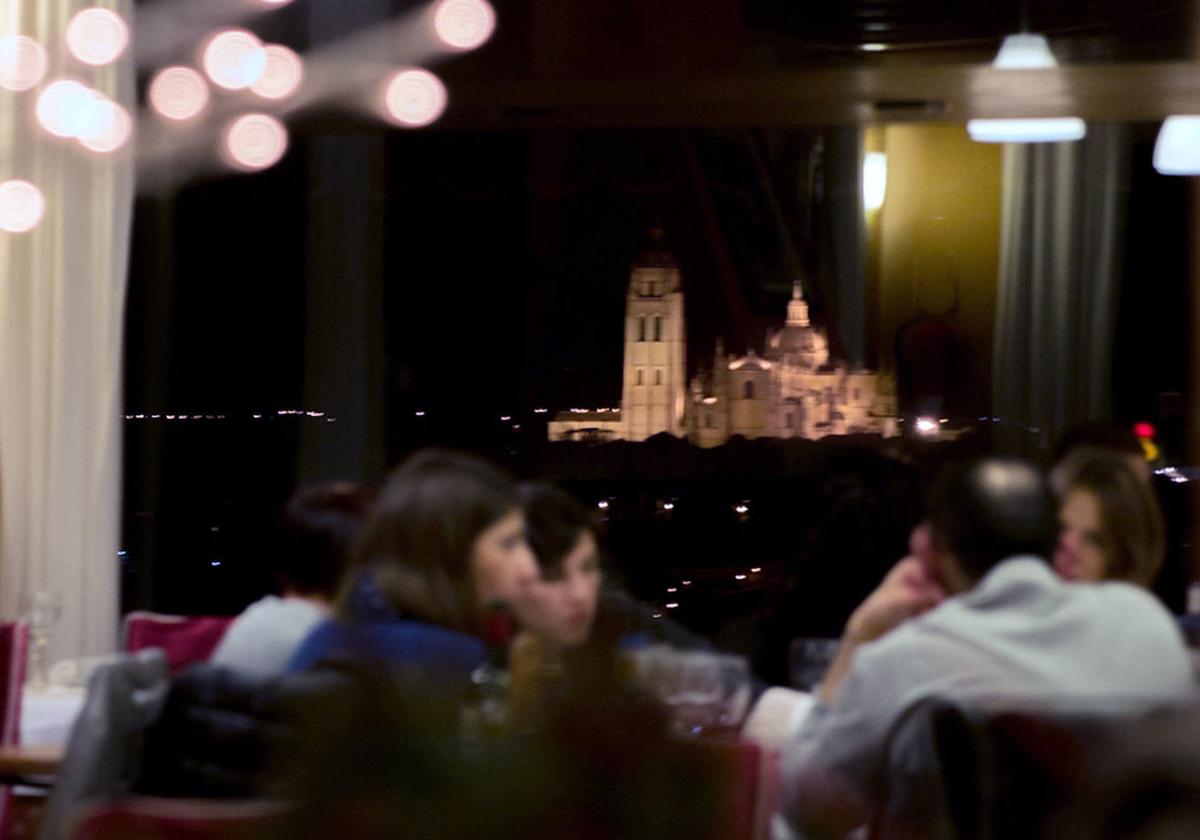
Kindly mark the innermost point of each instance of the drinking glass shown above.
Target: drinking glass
(40, 610)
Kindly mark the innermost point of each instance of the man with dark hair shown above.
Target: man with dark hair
(319, 526)
(974, 613)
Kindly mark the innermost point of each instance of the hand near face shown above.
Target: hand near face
(909, 589)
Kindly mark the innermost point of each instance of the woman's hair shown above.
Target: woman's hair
(554, 522)
(317, 533)
(1129, 514)
(418, 542)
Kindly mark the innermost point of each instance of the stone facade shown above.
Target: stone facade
(792, 390)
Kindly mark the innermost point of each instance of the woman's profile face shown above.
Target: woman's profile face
(502, 564)
(560, 606)
(1083, 546)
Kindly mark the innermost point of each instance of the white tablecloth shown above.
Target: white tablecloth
(47, 715)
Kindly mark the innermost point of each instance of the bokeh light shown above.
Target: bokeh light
(67, 108)
(22, 62)
(178, 93)
(274, 4)
(234, 59)
(97, 36)
(283, 74)
(255, 141)
(21, 206)
(110, 133)
(414, 97)
(464, 24)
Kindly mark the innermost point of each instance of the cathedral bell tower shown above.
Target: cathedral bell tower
(654, 385)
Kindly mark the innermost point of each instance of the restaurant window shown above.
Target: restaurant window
(658, 328)
(641, 330)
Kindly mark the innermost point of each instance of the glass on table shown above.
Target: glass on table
(40, 609)
(704, 691)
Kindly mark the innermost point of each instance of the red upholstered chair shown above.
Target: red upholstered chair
(153, 818)
(14, 646)
(184, 638)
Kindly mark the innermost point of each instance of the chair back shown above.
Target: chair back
(155, 818)
(14, 649)
(992, 769)
(185, 639)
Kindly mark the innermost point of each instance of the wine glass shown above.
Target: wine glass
(40, 609)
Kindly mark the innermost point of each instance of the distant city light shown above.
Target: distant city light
(21, 206)
(927, 426)
(178, 93)
(672, 589)
(504, 418)
(97, 36)
(656, 615)
(234, 59)
(414, 97)
(464, 24)
(669, 506)
(23, 62)
(111, 133)
(739, 577)
(602, 504)
(419, 413)
(671, 605)
(540, 410)
(742, 509)
(283, 74)
(687, 583)
(255, 141)
(873, 47)
(756, 570)
(274, 3)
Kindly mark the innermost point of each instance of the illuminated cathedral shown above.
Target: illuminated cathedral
(794, 389)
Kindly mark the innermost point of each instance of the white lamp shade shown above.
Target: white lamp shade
(1177, 150)
(1037, 130)
(1025, 51)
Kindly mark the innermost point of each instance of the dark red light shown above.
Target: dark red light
(1143, 430)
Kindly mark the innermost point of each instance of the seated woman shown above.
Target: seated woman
(1111, 527)
(318, 527)
(445, 541)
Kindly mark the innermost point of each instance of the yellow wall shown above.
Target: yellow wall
(939, 228)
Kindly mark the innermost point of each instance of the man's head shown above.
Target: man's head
(985, 511)
(319, 525)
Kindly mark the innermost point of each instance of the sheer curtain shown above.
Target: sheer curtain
(1060, 237)
(62, 297)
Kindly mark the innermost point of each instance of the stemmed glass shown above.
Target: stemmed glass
(705, 691)
(40, 609)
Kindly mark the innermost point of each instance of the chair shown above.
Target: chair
(14, 647)
(185, 639)
(993, 769)
(102, 755)
(154, 818)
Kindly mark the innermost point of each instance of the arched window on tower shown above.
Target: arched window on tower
(748, 389)
(658, 328)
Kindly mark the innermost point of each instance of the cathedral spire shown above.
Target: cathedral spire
(797, 313)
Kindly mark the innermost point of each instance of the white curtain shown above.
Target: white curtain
(1056, 304)
(62, 297)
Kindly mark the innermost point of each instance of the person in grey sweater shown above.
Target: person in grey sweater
(975, 613)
